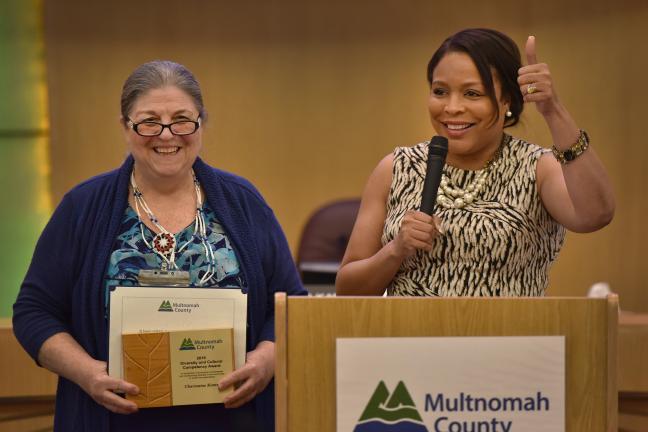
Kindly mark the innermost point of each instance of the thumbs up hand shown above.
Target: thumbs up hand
(536, 83)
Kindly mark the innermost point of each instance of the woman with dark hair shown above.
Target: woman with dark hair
(163, 209)
(503, 203)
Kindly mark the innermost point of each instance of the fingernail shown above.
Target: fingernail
(439, 227)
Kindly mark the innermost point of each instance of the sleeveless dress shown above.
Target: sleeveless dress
(502, 244)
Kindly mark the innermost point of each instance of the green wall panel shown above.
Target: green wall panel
(24, 144)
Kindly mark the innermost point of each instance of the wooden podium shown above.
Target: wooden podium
(307, 329)
(26, 390)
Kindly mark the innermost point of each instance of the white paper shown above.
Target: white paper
(150, 309)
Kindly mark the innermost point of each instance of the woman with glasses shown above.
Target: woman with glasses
(163, 209)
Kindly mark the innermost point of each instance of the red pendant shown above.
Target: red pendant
(164, 243)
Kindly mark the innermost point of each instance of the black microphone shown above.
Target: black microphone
(437, 151)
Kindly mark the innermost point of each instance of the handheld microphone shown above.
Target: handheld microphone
(437, 151)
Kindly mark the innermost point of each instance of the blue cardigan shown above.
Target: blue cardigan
(62, 291)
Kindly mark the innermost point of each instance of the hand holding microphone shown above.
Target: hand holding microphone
(419, 228)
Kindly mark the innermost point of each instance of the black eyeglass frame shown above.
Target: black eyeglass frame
(134, 126)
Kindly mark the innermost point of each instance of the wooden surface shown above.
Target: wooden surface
(19, 374)
(610, 370)
(147, 364)
(313, 324)
(633, 372)
(632, 423)
(281, 348)
(26, 390)
(633, 352)
(32, 424)
(14, 409)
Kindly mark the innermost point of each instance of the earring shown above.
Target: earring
(509, 114)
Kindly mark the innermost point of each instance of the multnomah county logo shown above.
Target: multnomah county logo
(390, 413)
(165, 306)
(187, 344)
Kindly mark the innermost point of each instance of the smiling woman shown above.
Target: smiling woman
(164, 209)
(163, 136)
(503, 204)
(461, 110)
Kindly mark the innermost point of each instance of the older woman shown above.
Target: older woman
(503, 204)
(164, 208)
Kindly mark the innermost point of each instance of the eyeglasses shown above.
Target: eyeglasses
(151, 129)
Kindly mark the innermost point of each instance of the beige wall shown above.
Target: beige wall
(306, 97)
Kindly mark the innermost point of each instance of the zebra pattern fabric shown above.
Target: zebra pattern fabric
(502, 244)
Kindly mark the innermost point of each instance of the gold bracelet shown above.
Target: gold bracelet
(574, 151)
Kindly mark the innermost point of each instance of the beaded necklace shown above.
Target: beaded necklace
(452, 197)
(164, 242)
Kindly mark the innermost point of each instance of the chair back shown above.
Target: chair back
(325, 238)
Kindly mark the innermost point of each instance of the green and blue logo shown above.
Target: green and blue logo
(165, 306)
(187, 344)
(390, 413)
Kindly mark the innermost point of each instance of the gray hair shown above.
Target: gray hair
(157, 74)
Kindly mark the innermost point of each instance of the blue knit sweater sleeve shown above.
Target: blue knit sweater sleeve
(279, 270)
(43, 304)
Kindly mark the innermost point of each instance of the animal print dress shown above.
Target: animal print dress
(502, 244)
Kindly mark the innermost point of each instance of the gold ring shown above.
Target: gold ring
(531, 89)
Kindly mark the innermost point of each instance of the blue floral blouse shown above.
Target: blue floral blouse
(131, 254)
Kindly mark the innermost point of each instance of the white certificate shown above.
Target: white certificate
(152, 309)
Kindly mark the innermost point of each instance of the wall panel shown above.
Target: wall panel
(306, 97)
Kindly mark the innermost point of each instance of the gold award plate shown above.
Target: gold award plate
(178, 367)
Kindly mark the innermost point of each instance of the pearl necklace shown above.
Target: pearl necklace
(164, 242)
(452, 197)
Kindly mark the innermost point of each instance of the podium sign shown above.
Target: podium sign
(508, 383)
